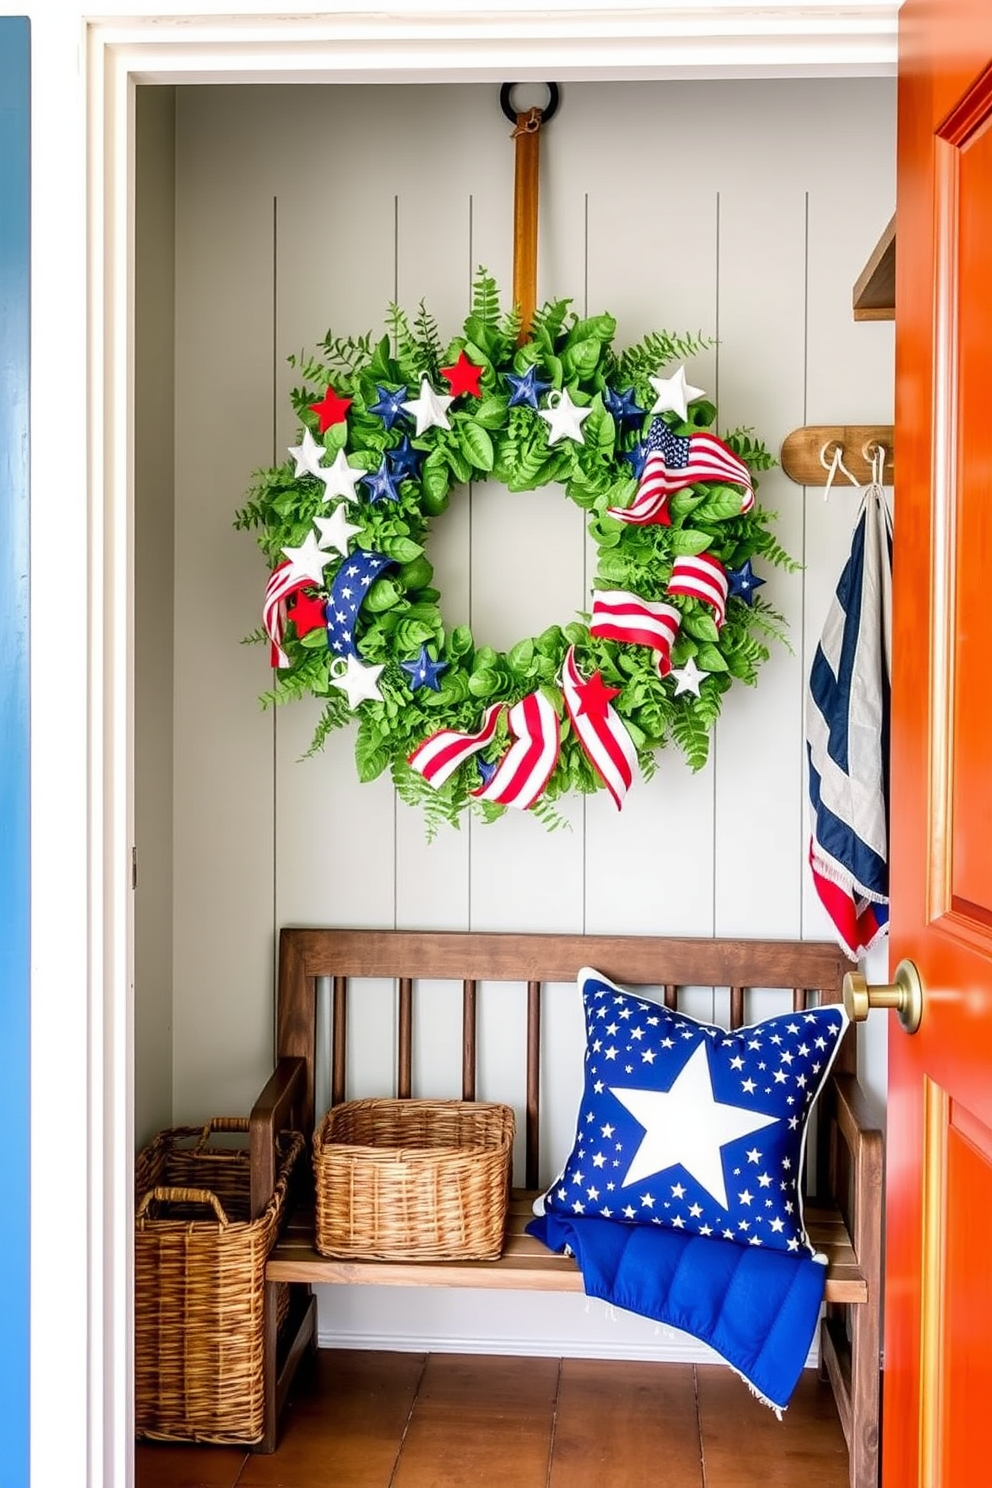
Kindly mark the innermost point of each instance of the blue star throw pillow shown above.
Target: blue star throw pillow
(688, 1125)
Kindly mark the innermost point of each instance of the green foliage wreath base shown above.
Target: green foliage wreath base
(488, 438)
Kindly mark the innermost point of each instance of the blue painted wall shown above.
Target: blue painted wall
(14, 749)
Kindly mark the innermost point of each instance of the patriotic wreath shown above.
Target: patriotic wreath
(350, 612)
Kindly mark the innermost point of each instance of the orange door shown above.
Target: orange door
(938, 1334)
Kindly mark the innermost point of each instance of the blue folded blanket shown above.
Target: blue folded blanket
(757, 1308)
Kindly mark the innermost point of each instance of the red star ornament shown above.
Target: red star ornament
(308, 613)
(595, 696)
(463, 377)
(332, 409)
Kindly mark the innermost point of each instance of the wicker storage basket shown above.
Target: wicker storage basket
(199, 1263)
(413, 1179)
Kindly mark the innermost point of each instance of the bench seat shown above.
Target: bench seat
(526, 1264)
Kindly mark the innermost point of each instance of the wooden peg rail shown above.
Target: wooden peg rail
(802, 449)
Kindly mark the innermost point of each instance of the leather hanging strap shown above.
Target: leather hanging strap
(527, 136)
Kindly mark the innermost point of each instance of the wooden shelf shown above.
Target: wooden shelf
(875, 290)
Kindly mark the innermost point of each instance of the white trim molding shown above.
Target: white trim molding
(485, 43)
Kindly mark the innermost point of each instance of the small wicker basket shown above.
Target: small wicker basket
(413, 1180)
(199, 1262)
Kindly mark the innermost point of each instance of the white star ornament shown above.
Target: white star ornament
(430, 409)
(685, 1125)
(308, 560)
(340, 478)
(360, 682)
(563, 418)
(308, 456)
(688, 678)
(674, 393)
(335, 531)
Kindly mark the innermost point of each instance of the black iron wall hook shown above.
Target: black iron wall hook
(548, 113)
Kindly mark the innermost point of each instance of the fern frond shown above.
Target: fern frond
(347, 353)
(692, 737)
(547, 324)
(657, 349)
(485, 300)
(405, 348)
(548, 815)
(768, 545)
(754, 452)
(429, 341)
(334, 715)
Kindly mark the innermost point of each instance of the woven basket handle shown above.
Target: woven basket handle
(220, 1124)
(182, 1196)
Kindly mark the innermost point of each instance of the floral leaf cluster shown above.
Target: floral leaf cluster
(491, 434)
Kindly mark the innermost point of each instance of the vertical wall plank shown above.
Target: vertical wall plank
(528, 558)
(662, 276)
(434, 266)
(154, 602)
(847, 370)
(336, 274)
(224, 843)
(762, 286)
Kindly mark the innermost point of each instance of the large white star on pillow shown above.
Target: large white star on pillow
(686, 1125)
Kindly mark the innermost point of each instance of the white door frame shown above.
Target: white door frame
(84, 822)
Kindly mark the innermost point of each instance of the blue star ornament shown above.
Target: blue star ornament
(389, 406)
(486, 770)
(526, 388)
(743, 581)
(424, 672)
(624, 408)
(637, 458)
(381, 484)
(405, 461)
(690, 1126)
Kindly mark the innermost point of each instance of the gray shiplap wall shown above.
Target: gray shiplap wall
(743, 209)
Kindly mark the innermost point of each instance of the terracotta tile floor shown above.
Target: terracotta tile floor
(390, 1420)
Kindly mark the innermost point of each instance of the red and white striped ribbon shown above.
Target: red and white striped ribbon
(525, 768)
(607, 744)
(701, 576)
(438, 757)
(650, 504)
(619, 616)
(284, 581)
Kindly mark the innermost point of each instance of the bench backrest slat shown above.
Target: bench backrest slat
(404, 1043)
(470, 1042)
(799, 968)
(533, 1128)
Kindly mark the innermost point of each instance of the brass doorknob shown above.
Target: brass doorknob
(905, 995)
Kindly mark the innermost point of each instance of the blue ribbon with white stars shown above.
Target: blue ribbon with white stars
(352, 582)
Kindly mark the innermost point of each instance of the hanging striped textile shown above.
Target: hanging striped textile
(847, 737)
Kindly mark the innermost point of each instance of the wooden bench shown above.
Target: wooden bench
(843, 1216)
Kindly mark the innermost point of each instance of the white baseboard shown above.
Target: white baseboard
(422, 1320)
(681, 1349)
